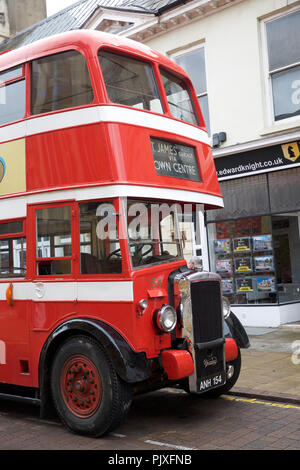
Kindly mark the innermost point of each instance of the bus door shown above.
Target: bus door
(14, 306)
(52, 258)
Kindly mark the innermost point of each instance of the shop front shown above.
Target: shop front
(254, 242)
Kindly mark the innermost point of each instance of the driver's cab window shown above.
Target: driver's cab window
(100, 251)
(153, 235)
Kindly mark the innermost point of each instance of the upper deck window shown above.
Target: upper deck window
(12, 95)
(15, 72)
(60, 81)
(179, 99)
(130, 82)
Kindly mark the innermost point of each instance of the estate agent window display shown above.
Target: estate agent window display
(254, 242)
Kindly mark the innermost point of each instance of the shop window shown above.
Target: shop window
(258, 257)
(54, 243)
(242, 252)
(60, 81)
(283, 38)
(287, 255)
(100, 251)
(193, 62)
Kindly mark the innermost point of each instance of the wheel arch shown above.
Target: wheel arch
(234, 329)
(132, 367)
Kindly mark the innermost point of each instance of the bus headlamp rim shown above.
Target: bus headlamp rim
(226, 307)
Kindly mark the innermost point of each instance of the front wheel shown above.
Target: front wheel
(89, 396)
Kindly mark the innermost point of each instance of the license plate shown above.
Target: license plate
(211, 381)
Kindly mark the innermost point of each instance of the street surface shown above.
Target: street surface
(166, 420)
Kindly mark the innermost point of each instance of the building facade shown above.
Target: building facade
(16, 15)
(244, 59)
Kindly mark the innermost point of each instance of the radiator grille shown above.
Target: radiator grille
(207, 311)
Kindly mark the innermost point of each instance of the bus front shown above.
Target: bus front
(162, 158)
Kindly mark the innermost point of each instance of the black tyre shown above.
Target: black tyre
(216, 392)
(89, 396)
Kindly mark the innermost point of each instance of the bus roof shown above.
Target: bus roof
(88, 42)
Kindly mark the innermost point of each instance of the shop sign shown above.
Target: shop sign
(172, 159)
(258, 161)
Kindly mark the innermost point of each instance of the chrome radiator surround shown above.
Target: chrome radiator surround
(184, 282)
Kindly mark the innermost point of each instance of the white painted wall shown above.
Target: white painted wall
(237, 88)
(234, 66)
(267, 315)
(4, 28)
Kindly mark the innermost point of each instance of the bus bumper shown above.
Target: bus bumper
(177, 364)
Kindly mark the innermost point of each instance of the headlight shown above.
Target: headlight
(166, 318)
(226, 307)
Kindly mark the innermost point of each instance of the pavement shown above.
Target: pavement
(271, 366)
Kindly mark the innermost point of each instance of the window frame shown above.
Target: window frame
(10, 81)
(72, 257)
(15, 236)
(122, 241)
(270, 111)
(182, 53)
(191, 93)
(30, 82)
(75, 243)
(180, 257)
(143, 61)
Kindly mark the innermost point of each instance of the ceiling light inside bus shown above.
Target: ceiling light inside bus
(166, 318)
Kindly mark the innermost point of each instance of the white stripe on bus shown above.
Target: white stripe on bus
(17, 206)
(102, 291)
(95, 114)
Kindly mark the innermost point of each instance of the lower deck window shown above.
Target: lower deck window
(54, 243)
(100, 251)
(153, 233)
(13, 257)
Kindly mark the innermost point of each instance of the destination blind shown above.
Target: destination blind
(172, 159)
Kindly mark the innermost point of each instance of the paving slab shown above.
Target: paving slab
(271, 366)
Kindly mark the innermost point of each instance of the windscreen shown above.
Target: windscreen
(153, 234)
(130, 82)
(179, 99)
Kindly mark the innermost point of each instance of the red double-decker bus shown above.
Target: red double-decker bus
(102, 148)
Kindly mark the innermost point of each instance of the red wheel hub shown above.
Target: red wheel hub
(81, 386)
